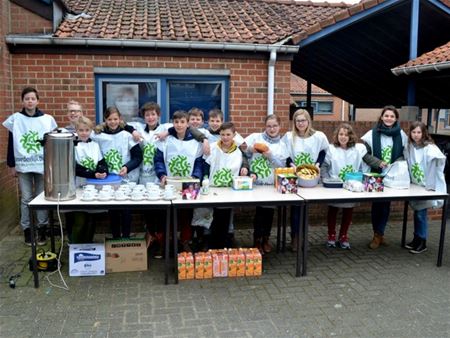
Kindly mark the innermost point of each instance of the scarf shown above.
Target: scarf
(271, 140)
(394, 132)
(230, 150)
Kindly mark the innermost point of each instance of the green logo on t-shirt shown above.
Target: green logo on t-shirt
(417, 172)
(386, 154)
(344, 170)
(179, 166)
(114, 160)
(88, 163)
(149, 154)
(30, 142)
(303, 158)
(260, 166)
(222, 178)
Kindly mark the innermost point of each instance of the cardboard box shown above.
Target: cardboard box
(126, 255)
(283, 171)
(87, 259)
(287, 183)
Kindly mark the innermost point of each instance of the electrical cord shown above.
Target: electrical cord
(64, 286)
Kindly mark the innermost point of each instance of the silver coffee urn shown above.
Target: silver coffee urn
(59, 166)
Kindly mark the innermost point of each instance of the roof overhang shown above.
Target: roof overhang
(353, 58)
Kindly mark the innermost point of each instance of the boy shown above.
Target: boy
(74, 112)
(26, 157)
(180, 155)
(225, 161)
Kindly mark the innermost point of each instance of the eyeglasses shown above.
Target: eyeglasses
(74, 111)
(301, 121)
(273, 127)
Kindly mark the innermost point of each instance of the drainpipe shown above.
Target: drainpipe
(271, 81)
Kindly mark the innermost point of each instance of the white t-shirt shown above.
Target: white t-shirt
(305, 150)
(27, 130)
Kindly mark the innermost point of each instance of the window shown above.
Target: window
(128, 91)
(320, 107)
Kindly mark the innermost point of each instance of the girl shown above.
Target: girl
(89, 164)
(123, 155)
(343, 156)
(305, 145)
(263, 165)
(384, 145)
(426, 167)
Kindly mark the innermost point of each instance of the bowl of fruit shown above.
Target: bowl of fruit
(308, 175)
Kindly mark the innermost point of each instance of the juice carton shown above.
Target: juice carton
(240, 263)
(190, 268)
(282, 171)
(215, 263)
(232, 263)
(223, 257)
(182, 266)
(249, 263)
(257, 260)
(199, 265)
(207, 265)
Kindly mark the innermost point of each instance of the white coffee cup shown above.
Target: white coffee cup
(120, 194)
(153, 194)
(107, 188)
(131, 185)
(88, 195)
(150, 185)
(89, 187)
(169, 187)
(104, 194)
(137, 196)
(169, 194)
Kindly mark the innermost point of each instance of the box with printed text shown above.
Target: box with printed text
(87, 259)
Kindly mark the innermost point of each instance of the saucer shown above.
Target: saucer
(169, 198)
(121, 198)
(104, 198)
(87, 199)
(134, 198)
(154, 198)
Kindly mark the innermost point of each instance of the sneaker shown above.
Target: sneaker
(41, 238)
(266, 246)
(331, 242)
(27, 236)
(344, 243)
(421, 247)
(413, 243)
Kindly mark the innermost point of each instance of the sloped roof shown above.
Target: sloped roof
(434, 60)
(298, 86)
(250, 21)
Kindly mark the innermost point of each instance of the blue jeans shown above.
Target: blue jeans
(380, 216)
(31, 185)
(295, 220)
(421, 223)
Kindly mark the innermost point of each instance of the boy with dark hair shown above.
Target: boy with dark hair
(180, 155)
(25, 157)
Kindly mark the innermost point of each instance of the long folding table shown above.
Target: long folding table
(77, 204)
(319, 194)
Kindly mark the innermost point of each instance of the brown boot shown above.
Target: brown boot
(377, 240)
(267, 247)
(257, 243)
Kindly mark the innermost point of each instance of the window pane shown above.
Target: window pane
(128, 97)
(186, 95)
(325, 108)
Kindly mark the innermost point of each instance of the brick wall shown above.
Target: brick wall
(8, 188)
(24, 21)
(59, 78)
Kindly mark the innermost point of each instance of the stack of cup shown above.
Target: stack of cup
(169, 192)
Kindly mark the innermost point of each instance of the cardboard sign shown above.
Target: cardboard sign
(126, 255)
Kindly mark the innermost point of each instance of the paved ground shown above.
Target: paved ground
(359, 293)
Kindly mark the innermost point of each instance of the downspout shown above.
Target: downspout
(271, 81)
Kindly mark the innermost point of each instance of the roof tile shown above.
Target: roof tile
(243, 21)
(439, 55)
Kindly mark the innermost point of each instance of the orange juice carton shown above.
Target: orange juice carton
(182, 265)
(223, 257)
(190, 268)
(240, 263)
(257, 260)
(199, 265)
(249, 263)
(207, 265)
(232, 263)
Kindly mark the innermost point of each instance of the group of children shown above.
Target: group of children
(151, 152)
